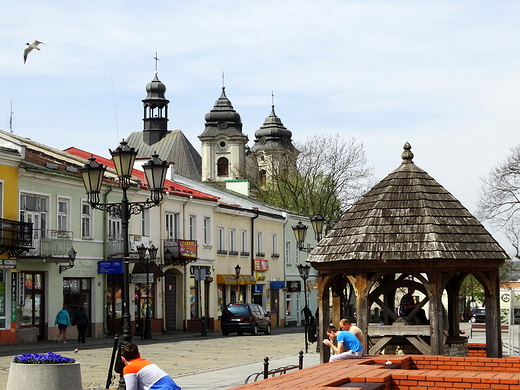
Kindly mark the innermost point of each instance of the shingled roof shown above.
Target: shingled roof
(407, 216)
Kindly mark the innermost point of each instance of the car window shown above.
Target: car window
(262, 311)
(238, 310)
(256, 310)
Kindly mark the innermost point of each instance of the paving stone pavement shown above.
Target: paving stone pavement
(191, 359)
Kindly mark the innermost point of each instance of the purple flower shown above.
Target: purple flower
(38, 358)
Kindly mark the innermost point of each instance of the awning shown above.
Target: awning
(152, 268)
(232, 279)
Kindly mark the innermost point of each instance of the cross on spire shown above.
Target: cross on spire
(156, 59)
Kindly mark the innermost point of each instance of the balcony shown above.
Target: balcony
(15, 237)
(51, 244)
(179, 252)
(115, 245)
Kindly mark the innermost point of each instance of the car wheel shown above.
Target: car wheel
(225, 333)
(473, 319)
(254, 331)
(268, 329)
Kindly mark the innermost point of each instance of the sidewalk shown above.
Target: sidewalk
(232, 377)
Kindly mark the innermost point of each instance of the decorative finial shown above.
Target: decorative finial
(407, 154)
(156, 59)
(223, 83)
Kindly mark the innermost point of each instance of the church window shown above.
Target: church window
(222, 166)
(263, 177)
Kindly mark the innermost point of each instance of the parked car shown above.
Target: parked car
(245, 318)
(477, 315)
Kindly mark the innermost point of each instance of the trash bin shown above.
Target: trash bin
(311, 333)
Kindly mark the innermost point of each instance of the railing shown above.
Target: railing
(276, 371)
(115, 244)
(15, 237)
(50, 243)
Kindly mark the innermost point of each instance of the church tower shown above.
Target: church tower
(155, 112)
(223, 143)
(273, 149)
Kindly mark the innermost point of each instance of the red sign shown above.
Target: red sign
(261, 265)
(188, 248)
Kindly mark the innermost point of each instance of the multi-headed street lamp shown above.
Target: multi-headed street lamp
(92, 174)
(300, 231)
(152, 251)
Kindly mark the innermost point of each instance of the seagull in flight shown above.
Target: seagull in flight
(29, 47)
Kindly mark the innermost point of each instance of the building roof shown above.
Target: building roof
(175, 148)
(170, 186)
(407, 216)
(272, 135)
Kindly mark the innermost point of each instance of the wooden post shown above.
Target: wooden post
(493, 329)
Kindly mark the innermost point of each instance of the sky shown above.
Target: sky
(441, 75)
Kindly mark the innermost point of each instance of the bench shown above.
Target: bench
(277, 371)
(481, 328)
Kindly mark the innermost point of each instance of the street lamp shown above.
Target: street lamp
(72, 258)
(300, 231)
(304, 274)
(152, 251)
(237, 273)
(92, 175)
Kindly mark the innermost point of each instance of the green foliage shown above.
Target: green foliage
(471, 291)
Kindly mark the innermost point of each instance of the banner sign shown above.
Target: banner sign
(261, 265)
(110, 267)
(188, 248)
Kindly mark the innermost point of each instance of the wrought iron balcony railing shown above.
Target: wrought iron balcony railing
(115, 244)
(15, 237)
(47, 243)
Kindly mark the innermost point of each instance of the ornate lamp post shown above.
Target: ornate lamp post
(152, 251)
(92, 174)
(304, 274)
(300, 231)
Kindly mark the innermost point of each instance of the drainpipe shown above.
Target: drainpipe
(186, 273)
(255, 210)
(105, 257)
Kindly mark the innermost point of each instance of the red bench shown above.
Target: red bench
(481, 328)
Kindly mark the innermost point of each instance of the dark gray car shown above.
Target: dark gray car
(245, 318)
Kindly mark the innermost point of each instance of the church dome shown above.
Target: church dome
(273, 127)
(155, 89)
(223, 111)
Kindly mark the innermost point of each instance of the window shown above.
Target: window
(221, 250)
(193, 227)
(297, 255)
(1, 198)
(244, 250)
(275, 246)
(222, 166)
(86, 221)
(172, 226)
(32, 308)
(114, 228)
(207, 231)
(288, 252)
(63, 215)
(33, 209)
(145, 222)
(233, 242)
(259, 244)
(263, 177)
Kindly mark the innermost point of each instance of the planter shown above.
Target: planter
(44, 376)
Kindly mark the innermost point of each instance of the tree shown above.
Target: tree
(325, 175)
(499, 201)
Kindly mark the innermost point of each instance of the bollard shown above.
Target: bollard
(204, 326)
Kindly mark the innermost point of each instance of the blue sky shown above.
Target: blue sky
(442, 75)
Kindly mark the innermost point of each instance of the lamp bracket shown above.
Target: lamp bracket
(116, 209)
(66, 267)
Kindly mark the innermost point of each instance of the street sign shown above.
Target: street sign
(110, 267)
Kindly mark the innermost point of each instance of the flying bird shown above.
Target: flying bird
(29, 47)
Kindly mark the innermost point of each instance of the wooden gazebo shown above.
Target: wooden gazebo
(408, 231)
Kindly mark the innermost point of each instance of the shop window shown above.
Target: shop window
(32, 307)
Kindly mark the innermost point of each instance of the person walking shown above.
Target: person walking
(141, 374)
(63, 322)
(81, 321)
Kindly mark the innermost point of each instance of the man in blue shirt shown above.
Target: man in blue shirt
(348, 346)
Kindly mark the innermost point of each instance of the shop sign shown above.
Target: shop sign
(261, 265)
(14, 284)
(188, 248)
(21, 288)
(294, 286)
(7, 263)
(277, 285)
(110, 267)
(141, 278)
